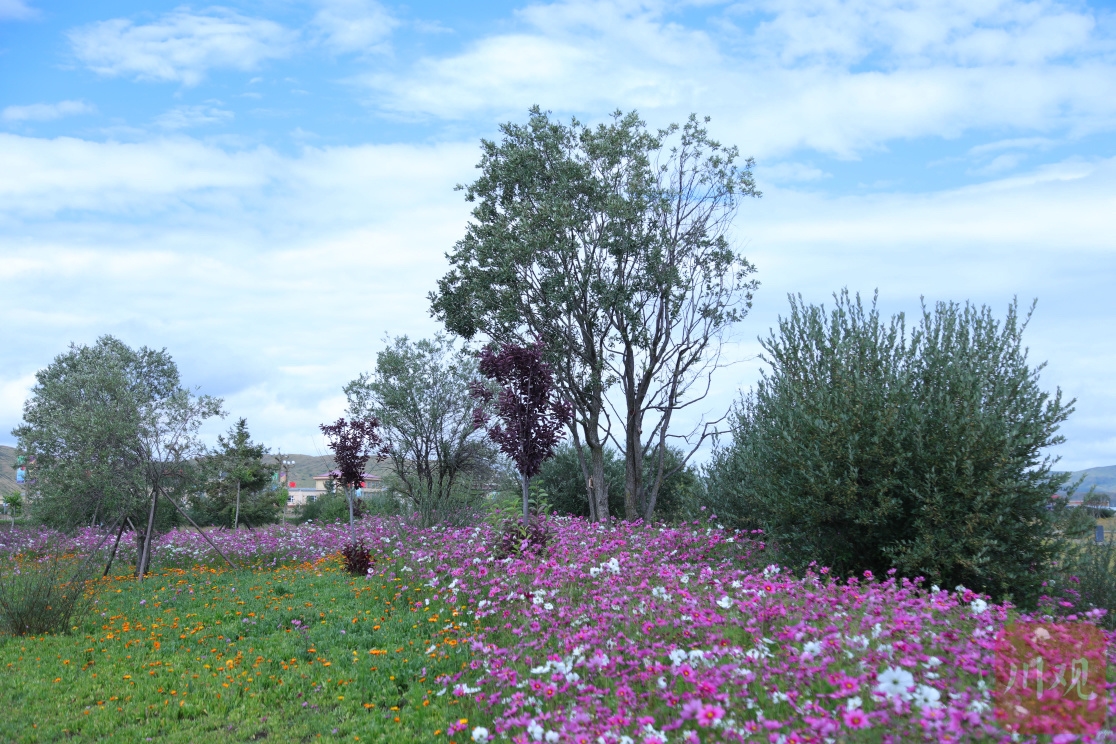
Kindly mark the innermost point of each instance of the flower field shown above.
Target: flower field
(618, 634)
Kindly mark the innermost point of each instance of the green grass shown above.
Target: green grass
(211, 655)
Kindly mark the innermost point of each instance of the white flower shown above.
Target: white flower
(853, 703)
(893, 681)
(978, 606)
(935, 589)
(594, 571)
(480, 734)
(685, 578)
(736, 585)
(697, 655)
(933, 662)
(627, 740)
(535, 731)
(613, 565)
(677, 656)
(927, 697)
(812, 648)
(724, 603)
(547, 606)
(662, 683)
(552, 736)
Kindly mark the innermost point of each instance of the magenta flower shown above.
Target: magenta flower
(855, 719)
(710, 714)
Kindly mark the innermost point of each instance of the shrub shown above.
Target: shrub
(1086, 581)
(329, 508)
(518, 540)
(358, 559)
(865, 447)
(43, 594)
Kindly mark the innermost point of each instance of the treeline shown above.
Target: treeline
(589, 300)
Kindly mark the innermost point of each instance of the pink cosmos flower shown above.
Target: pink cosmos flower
(855, 719)
(692, 708)
(709, 714)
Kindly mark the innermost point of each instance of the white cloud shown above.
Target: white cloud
(16, 10)
(46, 111)
(789, 172)
(180, 46)
(185, 117)
(839, 78)
(353, 25)
(313, 258)
(12, 394)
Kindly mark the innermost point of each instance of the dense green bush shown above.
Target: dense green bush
(330, 507)
(866, 447)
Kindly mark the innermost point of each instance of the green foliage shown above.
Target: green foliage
(109, 428)
(238, 486)
(439, 463)
(564, 485)
(864, 447)
(1087, 579)
(328, 508)
(13, 502)
(219, 697)
(609, 245)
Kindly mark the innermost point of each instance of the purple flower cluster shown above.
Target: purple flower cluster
(633, 633)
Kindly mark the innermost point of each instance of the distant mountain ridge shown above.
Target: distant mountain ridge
(1103, 478)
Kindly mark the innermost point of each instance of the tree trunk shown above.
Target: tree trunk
(586, 473)
(199, 529)
(600, 483)
(236, 519)
(349, 496)
(141, 568)
(115, 545)
(526, 491)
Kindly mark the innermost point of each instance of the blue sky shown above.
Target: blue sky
(266, 188)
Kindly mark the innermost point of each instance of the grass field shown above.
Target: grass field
(293, 654)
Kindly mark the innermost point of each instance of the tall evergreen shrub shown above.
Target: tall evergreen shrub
(866, 447)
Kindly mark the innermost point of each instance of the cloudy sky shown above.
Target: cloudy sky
(265, 188)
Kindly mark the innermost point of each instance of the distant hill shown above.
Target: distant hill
(7, 471)
(306, 467)
(1104, 478)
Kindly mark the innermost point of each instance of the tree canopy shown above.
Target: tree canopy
(868, 447)
(610, 246)
(531, 417)
(419, 392)
(111, 430)
(239, 484)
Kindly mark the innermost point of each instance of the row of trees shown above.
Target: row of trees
(598, 274)
(115, 438)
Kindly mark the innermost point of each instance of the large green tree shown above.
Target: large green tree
(609, 245)
(419, 392)
(239, 485)
(865, 446)
(112, 429)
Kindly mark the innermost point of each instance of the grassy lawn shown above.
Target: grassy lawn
(291, 654)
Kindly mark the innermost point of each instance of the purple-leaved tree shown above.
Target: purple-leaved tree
(354, 443)
(531, 415)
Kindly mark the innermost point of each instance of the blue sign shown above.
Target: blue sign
(21, 475)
